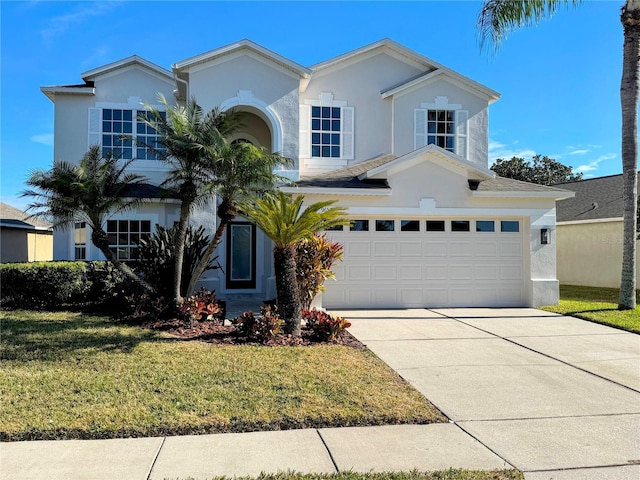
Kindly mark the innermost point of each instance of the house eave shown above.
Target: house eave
(491, 95)
(522, 194)
(245, 44)
(376, 192)
(593, 220)
(482, 173)
(51, 92)
(125, 62)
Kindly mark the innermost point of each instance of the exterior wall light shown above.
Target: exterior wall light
(545, 239)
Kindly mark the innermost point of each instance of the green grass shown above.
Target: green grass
(451, 474)
(598, 305)
(70, 375)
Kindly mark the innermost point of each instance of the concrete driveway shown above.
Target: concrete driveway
(554, 396)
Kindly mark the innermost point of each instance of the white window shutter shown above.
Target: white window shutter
(95, 124)
(305, 131)
(347, 132)
(462, 132)
(420, 128)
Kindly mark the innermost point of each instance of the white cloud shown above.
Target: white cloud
(60, 24)
(96, 56)
(593, 165)
(583, 151)
(43, 138)
(502, 150)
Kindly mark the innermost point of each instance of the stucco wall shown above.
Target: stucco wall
(359, 84)
(405, 103)
(71, 112)
(220, 81)
(590, 254)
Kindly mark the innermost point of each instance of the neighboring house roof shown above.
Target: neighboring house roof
(12, 217)
(595, 199)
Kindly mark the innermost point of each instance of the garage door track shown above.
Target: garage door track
(555, 396)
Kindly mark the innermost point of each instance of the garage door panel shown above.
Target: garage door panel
(428, 269)
(358, 272)
(511, 272)
(460, 249)
(434, 249)
(435, 272)
(486, 272)
(410, 249)
(410, 272)
(460, 272)
(385, 249)
(436, 297)
(385, 272)
(485, 249)
(358, 248)
(511, 249)
(359, 297)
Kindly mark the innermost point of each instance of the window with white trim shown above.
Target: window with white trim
(124, 237)
(326, 129)
(123, 133)
(442, 123)
(80, 240)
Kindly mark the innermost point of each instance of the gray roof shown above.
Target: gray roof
(347, 177)
(502, 184)
(14, 217)
(596, 199)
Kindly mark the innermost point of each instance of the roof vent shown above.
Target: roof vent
(473, 184)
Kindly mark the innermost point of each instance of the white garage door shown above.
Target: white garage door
(414, 263)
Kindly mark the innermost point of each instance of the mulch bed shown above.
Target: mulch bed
(225, 335)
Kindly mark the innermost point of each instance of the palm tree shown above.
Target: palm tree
(187, 138)
(87, 192)
(281, 217)
(238, 172)
(498, 17)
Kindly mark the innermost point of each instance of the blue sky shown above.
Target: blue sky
(559, 81)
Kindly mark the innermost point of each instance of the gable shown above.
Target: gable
(119, 86)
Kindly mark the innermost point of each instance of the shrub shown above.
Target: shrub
(201, 306)
(324, 326)
(314, 258)
(263, 327)
(141, 307)
(41, 285)
(157, 257)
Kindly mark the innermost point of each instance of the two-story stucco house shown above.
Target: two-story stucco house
(398, 139)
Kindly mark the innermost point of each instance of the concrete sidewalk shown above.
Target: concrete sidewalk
(554, 396)
(364, 449)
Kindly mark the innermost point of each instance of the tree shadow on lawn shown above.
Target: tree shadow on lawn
(43, 336)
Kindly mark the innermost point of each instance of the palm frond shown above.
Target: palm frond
(498, 18)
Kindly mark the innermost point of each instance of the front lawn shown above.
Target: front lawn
(71, 375)
(598, 305)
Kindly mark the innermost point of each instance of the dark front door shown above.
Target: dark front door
(241, 255)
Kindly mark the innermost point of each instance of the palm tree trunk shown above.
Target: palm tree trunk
(100, 240)
(185, 209)
(284, 263)
(204, 261)
(629, 86)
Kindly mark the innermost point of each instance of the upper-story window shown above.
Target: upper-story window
(442, 123)
(123, 133)
(326, 131)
